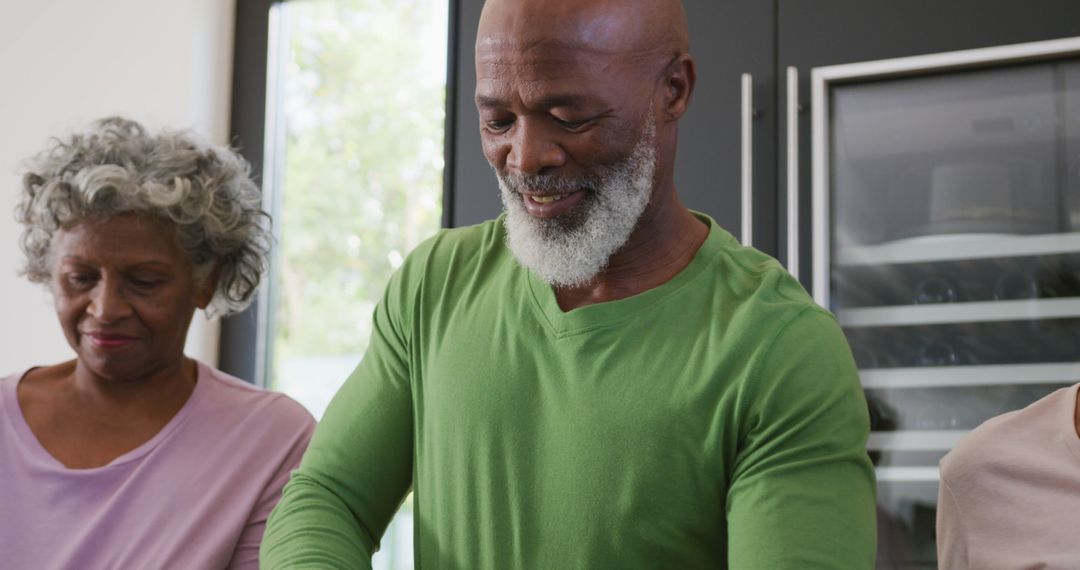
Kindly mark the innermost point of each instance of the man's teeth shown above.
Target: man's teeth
(548, 199)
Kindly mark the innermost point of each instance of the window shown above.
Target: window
(353, 174)
(357, 108)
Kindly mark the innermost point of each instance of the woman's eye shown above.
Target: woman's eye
(80, 279)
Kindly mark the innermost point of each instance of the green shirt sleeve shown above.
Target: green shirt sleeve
(802, 494)
(358, 468)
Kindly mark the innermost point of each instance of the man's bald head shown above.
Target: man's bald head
(629, 28)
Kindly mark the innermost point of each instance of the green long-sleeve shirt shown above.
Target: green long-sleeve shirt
(714, 421)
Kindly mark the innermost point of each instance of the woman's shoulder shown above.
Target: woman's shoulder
(35, 381)
(245, 401)
(41, 372)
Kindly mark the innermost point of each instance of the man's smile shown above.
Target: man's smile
(552, 205)
(548, 199)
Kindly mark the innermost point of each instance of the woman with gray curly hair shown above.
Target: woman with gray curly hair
(132, 455)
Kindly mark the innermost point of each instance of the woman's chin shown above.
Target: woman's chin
(114, 365)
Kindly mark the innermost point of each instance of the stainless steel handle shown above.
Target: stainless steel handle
(793, 171)
(747, 159)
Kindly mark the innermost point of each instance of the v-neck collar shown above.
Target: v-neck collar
(40, 458)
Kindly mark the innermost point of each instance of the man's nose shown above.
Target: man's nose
(108, 302)
(532, 149)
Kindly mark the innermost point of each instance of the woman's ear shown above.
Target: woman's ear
(208, 287)
(679, 79)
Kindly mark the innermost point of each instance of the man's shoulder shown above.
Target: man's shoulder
(764, 314)
(742, 295)
(747, 273)
(755, 289)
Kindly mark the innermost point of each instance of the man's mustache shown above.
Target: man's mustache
(544, 183)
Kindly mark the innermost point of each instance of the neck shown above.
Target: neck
(663, 244)
(161, 391)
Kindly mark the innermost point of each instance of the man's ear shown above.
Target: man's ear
(678, 84)
(206, 290)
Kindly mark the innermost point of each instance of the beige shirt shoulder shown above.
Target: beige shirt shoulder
(1010, 491)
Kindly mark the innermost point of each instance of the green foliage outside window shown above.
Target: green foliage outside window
(363, 101)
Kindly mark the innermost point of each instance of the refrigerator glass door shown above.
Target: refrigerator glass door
(947, 242)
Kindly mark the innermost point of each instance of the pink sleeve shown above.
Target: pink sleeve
(246, 555)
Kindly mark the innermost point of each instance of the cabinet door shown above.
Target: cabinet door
(949, 252)
(728, 39)
(830, 32)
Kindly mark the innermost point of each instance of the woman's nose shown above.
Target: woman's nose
(108, 302)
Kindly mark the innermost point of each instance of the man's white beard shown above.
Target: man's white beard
(572, 249)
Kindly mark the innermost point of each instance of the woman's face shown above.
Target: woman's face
(125, 293)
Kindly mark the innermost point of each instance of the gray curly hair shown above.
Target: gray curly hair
(117, 167)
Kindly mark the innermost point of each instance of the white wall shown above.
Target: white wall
(65, 63)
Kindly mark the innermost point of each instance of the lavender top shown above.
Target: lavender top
(196, 495)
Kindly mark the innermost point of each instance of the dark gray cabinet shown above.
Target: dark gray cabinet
(831, 32)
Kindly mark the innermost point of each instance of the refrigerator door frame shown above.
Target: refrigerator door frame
(822, 79)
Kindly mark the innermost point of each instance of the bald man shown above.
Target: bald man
(599, 378)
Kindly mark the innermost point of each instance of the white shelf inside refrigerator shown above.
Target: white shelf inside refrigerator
(908, 474)
(915, 440)
(986, 375)
(949, 313)
(953, 247)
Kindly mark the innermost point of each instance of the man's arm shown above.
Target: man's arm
(358, 468)
(802, 494)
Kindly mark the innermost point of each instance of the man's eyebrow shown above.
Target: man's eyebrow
(564, 100)
(488, 102)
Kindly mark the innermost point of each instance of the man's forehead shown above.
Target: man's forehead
(611, 27)
(555, 48)
(547, 57)
(548, 78)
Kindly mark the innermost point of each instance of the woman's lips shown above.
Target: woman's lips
(110, 341)
(552, 205)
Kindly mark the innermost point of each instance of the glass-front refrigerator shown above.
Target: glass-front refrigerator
(946, 223)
